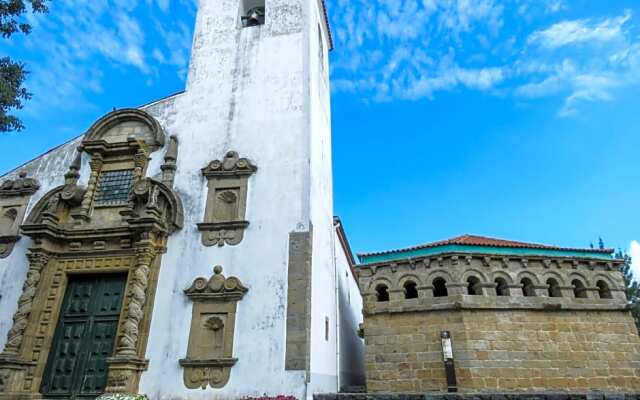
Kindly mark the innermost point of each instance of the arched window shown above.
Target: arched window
(527, 287)
(473, 286)
(440, 288)
(501, 287)
(603, 290)
(579, 290)
(382, 293)
(554, 288)
(410, 290)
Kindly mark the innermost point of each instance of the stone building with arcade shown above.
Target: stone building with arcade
(519, 317)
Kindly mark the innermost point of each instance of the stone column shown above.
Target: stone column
(489, 289)
(593, 293)
(96, 166)
(456, 288)
(541, 290)
(37, 261)
(567, 292)
(515, 290)
(136, 299)
(425, 292)
(12, 367)
(126, 366)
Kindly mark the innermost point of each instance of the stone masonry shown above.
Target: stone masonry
(503, 351)
(539, 323)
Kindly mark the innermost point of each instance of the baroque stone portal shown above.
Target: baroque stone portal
(118, 224)
(224, 218)
(210, 353)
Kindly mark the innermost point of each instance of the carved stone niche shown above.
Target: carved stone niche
(224, 218)
(210, 352)
(14, 198)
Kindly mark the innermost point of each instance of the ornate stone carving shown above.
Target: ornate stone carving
(22, 186)
(5, 375)
(136, 299)
(37, 262)
(14, 198)
(224, 221)
(84, 237)
(210, 354)
(170, 158)
(82, 214)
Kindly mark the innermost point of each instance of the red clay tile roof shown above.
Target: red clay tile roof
(474, 240)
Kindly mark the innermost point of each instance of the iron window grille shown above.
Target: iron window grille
(114, 187)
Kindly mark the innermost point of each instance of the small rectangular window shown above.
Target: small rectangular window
(114, 187)
(326, 329)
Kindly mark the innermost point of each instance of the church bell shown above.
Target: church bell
(254, 17)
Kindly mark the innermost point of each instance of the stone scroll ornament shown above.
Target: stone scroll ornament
(210, 353)
(224, 221)
(14, 198)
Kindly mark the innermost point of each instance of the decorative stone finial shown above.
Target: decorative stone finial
(71, 177)
(169, 167)
(22, 186)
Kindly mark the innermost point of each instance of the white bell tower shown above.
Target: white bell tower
(258, 84)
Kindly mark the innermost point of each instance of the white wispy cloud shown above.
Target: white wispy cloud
(385, 49)
(404, 49)
(77, 39)
(580, 31)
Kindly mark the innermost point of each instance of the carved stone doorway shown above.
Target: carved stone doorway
(85, 337)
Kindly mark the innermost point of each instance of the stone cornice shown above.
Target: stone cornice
(414, 262)
(468, 302)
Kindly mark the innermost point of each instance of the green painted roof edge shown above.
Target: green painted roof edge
(456, 248)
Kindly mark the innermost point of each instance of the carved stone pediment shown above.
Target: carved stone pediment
(217, 287)
(224, 221)
(117, 129)
(232, 165)
(210, 353)
(14, 199)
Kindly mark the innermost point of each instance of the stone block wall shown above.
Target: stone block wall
(503, 350)
(482, 396)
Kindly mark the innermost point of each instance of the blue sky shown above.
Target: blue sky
(507, 118)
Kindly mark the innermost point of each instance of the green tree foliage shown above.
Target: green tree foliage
(632, 287)
(13, 74)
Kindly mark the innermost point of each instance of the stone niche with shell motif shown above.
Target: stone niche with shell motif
(210, 353)
(14, 198)
(224, 220)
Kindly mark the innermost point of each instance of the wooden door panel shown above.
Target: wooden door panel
(95, 369)
(66, 351)
(85, 337)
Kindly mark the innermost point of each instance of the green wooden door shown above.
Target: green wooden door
(84, 338)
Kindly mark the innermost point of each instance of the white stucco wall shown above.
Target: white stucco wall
(351, 350)
(261, 92)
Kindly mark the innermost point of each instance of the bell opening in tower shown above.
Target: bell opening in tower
(252, 13)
